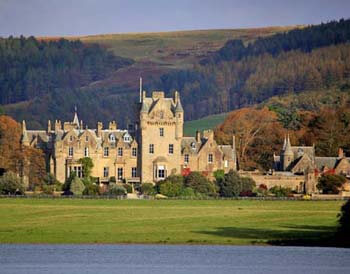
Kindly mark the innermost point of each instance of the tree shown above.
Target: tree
(10, 183)
(77, 187)
(87, 166)
(199, 183)
(233, 185)
(344, 219)
(330, 184)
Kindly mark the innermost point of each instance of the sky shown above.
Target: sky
(84, 17)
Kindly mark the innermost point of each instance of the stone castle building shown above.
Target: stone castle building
(154, 149)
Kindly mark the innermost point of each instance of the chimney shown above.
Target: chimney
(176, 97)
(233, 141)
(48, 126)
(208, 134)
(81, 124)
(198, 136)
(99, 129)
(112, 125)
(57, 125)
(140, 89)
(341, 153)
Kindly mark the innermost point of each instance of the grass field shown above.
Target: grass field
(208, 122)
(174, 222)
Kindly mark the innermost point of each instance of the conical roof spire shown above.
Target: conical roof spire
(178, 107)
(75, 119)
(284, 143)
(24, 139)
(288, 146)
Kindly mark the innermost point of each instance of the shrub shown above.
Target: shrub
(91, 190)
(199, 183)
(330, 184)
(48, 189)
(67, 183)
(116, 190)
(112, 179)
(77, 187)
(128, 188)
(87, 166)
(171, 189)
(187, 192)
(148, 189)
(10, 183)
(281, 191)
(233, 185)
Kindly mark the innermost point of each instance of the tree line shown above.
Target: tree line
(30, 68)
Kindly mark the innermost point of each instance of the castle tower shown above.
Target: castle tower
(287, 155)
(24, 137)
(160, 135)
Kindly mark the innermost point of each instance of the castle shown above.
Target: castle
(150, 151)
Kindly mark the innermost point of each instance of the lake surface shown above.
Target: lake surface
(154, 259)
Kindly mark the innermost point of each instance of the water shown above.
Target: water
(154, 259)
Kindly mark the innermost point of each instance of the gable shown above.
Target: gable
(302, 164)
(162, 109)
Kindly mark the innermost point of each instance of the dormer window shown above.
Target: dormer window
(112, 138)
(86, 138)
(71, 138)
(193, 145)
(127, 138)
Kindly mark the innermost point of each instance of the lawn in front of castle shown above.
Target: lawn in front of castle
(237, 222)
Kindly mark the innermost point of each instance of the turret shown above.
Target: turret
(178, 115)
(198, 136)
(112, 125)
(287, 155)
(24, 137)
(58, 126)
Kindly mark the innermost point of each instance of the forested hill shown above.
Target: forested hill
(304, 39)
(44, 79)
(30, 68)
(313, 58)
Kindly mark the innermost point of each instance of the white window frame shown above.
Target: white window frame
(186, 158)
(133, 172)
(161, 172)
(70, 151)
(151, 148)
(120, 151)
(106, 172)
(210, 158)
(106, 152)
(120, 172)
(171, 149)
(86, 152)
(134, 152)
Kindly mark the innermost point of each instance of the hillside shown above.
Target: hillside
(155, 54)
(232, 69)
(208, 122)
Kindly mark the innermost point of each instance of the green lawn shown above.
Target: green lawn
(141, 221)
(208, 122)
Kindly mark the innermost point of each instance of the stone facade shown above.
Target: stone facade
(153, 150)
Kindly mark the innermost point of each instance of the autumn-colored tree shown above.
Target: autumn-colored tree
(17, 158)
(258, 134)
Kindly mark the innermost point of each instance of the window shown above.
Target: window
(134, 152)
(187, 158)
(210, 158)
(112, 138)
(171, 149)
(86, 152)
(126, 138)
(105, 151)
(161, 132)
(161, 172)
(133, 172)
(78, 171)
(71, 138)
(193, 145)
(120, 173)
(106, 172)
(70, 151)
(151, 148)
(120, 151)
(86, 138)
